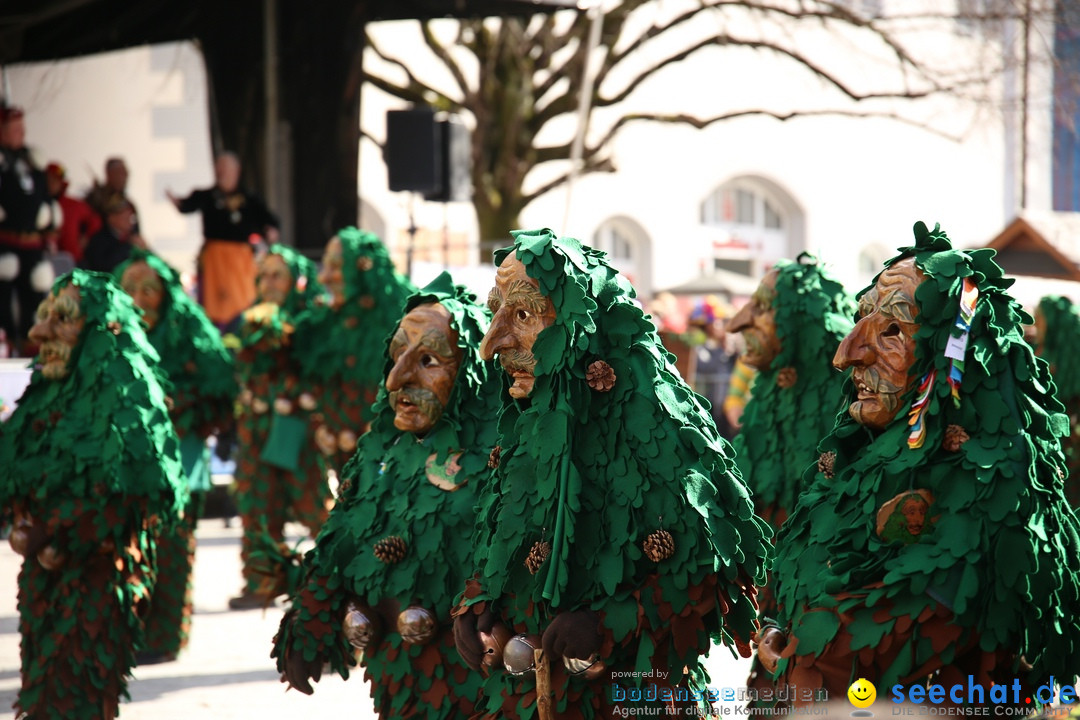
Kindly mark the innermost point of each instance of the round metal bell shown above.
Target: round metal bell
(283, 406)
(493, 643)
(20, 536)
(360, 627)
(347, 440)
(589, 668)
(246, 396)
(518, 656)
(50, 558)
(325, 440)
(260, 406)
(416, 625)
(307, 401)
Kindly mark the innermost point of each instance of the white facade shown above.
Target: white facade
(744, 192)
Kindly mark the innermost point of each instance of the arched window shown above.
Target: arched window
(628, 249)
(757, 222)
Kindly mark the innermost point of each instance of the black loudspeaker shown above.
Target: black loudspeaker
(454, 163)
(414, 151)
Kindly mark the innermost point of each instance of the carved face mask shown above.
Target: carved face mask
(274, 281)
(757, 323)
(332, 275)
(520, 312)
(426, 359)
(143, 284)
(880, 349)
(56, 330)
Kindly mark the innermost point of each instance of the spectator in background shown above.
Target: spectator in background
(79, 222)
(26, 217)
(112, 245)
(714, 358)
(230, 216)
(102, 195)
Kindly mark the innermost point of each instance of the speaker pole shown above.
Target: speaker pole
(412, 238)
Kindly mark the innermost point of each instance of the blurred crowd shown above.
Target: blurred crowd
(46, 230)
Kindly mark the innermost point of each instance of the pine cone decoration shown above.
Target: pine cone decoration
(787, 377)
(493, 458)
(826, 463)
(367, 302)
(541, 551)
(659, 546)
(955, 436)
(364, 263)
(391, 549)
(114, 327)
(600, 376)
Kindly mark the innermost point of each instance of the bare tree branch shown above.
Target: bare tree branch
(798, 57)
(700, 123)
(365, 134)
(415, 91)
(589, 166)
(446, 59)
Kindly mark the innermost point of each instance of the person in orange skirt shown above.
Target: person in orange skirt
(230, 216)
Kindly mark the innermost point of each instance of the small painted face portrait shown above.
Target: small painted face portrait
(332, 275)
(274, 280)
(914, 510)
(520, 311)
(143, 284)
(757, 323)
(426, 359)
(58, 324)
(880, 349)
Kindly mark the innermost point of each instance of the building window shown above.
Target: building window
(741, 205)
(751, 222)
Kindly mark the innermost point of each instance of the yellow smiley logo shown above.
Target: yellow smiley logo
(862, 693)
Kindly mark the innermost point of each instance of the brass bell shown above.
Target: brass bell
(307, 401)
(590, 668)
(20, 535)
(246, 396)
(347, 440)
(416, 625)
(518, 658)
(325, 440)
(283, 406)
(260, 406)
(493, 643)
(50, 558)
(360, 627)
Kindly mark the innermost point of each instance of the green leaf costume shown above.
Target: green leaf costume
(595, 473)
(267, 494)
(993, 574)
(386, 492)
(1059, 345)
(92, 460)
(200, 371)
(781, 426)
(338, 360)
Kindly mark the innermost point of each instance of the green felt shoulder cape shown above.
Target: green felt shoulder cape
(595, 473)
(193, 356)
(1003, 554)
(386, 492)
(103, 431)
(1060, 345)
(783, 425)
(375, 294)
